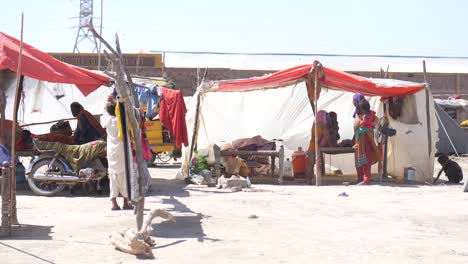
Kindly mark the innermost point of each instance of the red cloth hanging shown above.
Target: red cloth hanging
(172, 115)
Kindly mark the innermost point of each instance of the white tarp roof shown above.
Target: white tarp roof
(285, 113)
(453, 103)
(273, 62)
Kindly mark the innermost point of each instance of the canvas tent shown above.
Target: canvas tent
(41, 102)
(277, 106)
(450, 133)
(38, 65)
(44, 75)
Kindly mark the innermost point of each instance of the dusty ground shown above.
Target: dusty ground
(293, 224)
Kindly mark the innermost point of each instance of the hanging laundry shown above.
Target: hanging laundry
(153, 101)
(148, 97)
(172, 114)
(143, 94)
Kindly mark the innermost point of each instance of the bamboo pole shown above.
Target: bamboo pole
(13, 217)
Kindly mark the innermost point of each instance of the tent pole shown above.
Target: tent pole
(193, 143)
(19, 84)
(2, 107)
(318, 156)
(195, 129)
(428, 118)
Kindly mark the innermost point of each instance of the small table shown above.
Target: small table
(266, 153)
(333, 151)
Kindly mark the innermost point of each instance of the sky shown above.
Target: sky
(358, 27)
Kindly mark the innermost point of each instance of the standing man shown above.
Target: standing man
(116, 159)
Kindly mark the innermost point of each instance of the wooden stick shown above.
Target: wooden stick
(53, 121)
(13, 218)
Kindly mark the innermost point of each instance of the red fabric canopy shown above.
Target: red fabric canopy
(333, 79)
(39, 65)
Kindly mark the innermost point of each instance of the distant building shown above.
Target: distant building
(446, 76)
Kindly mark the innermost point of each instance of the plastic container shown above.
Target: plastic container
(288, 172)
(410, 174)
(299, 162)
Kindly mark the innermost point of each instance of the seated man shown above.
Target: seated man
(59, 132)
(88, 128)
(452, 170)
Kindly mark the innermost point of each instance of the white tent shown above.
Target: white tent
(283, 111)
(41, 104)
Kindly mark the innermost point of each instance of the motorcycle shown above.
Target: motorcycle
(49, 173)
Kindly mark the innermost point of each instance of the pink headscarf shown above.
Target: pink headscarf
(322, 117)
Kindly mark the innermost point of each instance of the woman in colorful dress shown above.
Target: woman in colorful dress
(366, 152)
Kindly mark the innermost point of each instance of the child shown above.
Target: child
(452, 170)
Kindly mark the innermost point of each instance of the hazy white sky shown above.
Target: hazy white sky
(365, 27)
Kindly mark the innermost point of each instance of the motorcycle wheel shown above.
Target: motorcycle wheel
(45, 188)
(164, 156)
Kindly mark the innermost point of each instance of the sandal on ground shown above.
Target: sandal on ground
(127, 207)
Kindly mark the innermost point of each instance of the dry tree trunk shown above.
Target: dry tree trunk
(139, 242)
(131, 241)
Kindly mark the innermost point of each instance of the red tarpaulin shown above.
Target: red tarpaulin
(333, 79)
(41, 66)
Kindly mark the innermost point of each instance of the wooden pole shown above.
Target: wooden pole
(5, 228)
(6, 225)
(318, 156)
(163, 66)
(13, 217)
(428, 117)
(193, 143)
(100, 33)
(2, 107)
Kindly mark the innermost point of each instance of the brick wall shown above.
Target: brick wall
(442, 84)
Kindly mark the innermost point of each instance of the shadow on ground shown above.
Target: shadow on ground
(187, 225)
(30, 232)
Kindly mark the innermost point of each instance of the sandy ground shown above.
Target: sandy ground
(293, 224)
